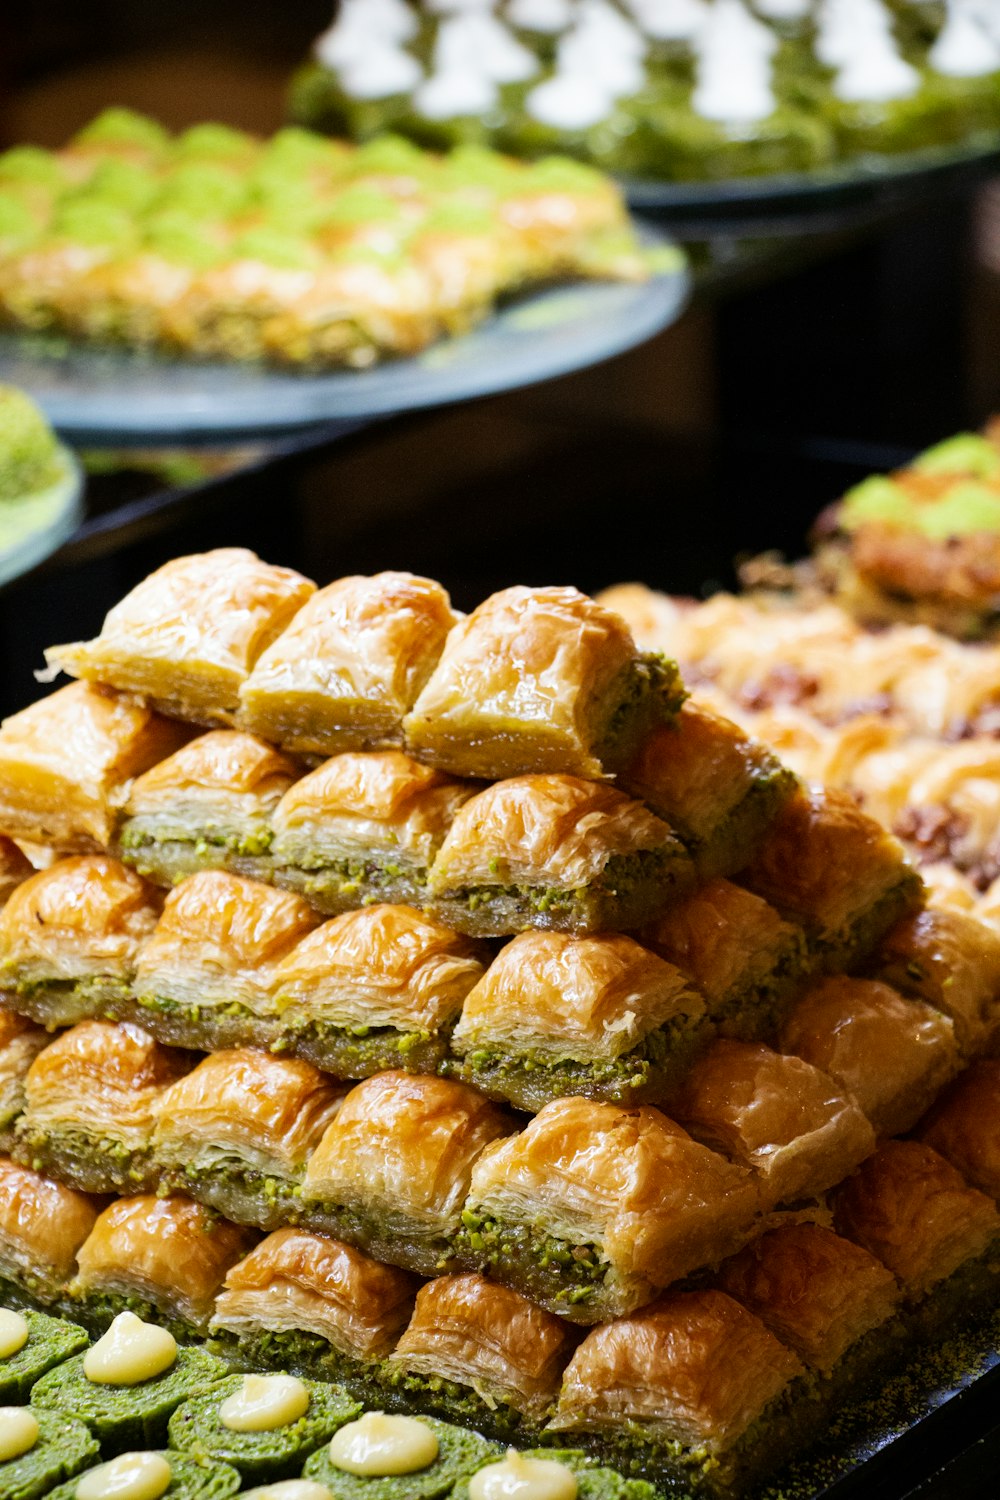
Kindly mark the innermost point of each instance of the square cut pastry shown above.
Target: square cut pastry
(67, 762)
(556, 852)
(481, 1354)
(364, 827)
(162, 1258)
(965, 1126)
(205, 979)
(592, 1207)
(207, 806)
(745, 959)
(376, 989)
(350, 666)
(952, 961)
(714, 784)
(891, 1054)
(42, 1226)
(597, 1016)
(311, 1304)
(15, 867)
(235, 1134)
(70, 939)
(776, 1115)
(828, 866)
(692, 1391)
(391, 1175)
(91, 1103)
(187, 637)
(20, 1043)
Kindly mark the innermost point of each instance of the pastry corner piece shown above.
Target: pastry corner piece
(951, 960)
(21, 1041)
(540, 680)
(964, 1126)
(42, 1226)
(187, 637)
(556, 852)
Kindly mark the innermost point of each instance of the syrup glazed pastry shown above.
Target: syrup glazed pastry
(350, 666)
(207, 806)
(182, 1478)
(66, 764)
(163, 1257)
(236, 1133)
(426, 1459)
(392, 1173)
(205, 978)
(47, 1342)
(556, 852)
(364, 827)
(70, 939)
(42, 1226)
(187, 637)
(591, 1207)
(62, 1447)
(15, 866)
(540, 680)
(952, 961)
(597, 1016)
(20, 1043)
(91, 1100)
(311, 1304)
(965, 1126)
(375, 989)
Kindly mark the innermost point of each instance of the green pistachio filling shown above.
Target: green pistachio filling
(32, 165)
(64, 1448)
(593, 1481)
(89, 1163)
(50, 1342)
(96, 1310)
(555, 1272)
(30, 457)
(63, 1002)
(345, 884)
(191, 1479)
(213, 140)
(238, 1191)
(965, 454)
(117, 126)
(360, 1051)
(460, 1453)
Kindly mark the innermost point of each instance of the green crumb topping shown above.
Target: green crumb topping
(125, 126)
(561, 174)
(50, 1342)
(89, 219)
(967, 453)
(459, 216)
(214, 140)
(30, 456)
(477, 166)
(460, 1454)
(553, 1271)
(124, 183)
(182, 238)
(17, 225)
(30, 164)
(969, 507)
(286, 252)
(389, 155)
(190, 1480)
(360, 1051)
(361, 204)
(203, 189)
(64, 1448)
(876, 499)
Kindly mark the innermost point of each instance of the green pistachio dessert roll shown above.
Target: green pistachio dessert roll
(30, 1344)
(593, 1481)
(183, 1478)
(60, 1449)
(441, 1456)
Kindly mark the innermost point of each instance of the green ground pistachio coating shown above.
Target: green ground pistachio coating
(593, 1481)
(64, 1447)
(460, 1453)
(190, 1480)
(50, 1342)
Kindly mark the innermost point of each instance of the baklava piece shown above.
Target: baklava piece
(952, 961)
(162, 1258)
(15, 866)
(891, 1054)
(540, 680)
(592, 1207)
(20, 1043)
(70, 939)
(828, 866)
(311, 1304)
(67, 762)
(91, 1104)
(364, 827)
(392, 1173)
(778, 1116)
(965, 1126)
(716, 786)
(207, 806)
(597, 1016)
(187, 637)
(350, 666)
(189, 1478)
(63, 1448)
(205, 978)
(458, 1453)
(42, 1226)
(556, 852)
(745, 959)
(375, 989)
(236, 1133)
(47, 1342)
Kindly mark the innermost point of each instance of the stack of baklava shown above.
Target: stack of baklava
(454, 1010)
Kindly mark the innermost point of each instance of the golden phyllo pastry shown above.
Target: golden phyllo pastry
(965, 1126)
(236, 1133)
(206, 977)
(592, 1207)
(350, 666)
(42, 1226)
(598, 1016)
(952, 961)
(20, 1043)
(891, 1054)
(207, 806)
(91, 1104)
(556, 852)
(67, 762)
(70, 939)
(392, 1173)
(15, 866)
(187, 637)
(785, 1120)
(375, 989)
(163, 1258)
(540, 680)
(364, 827)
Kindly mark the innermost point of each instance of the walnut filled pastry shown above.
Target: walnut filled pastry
(350, 666)
(235, 1134)
(965, 1126)
(187, 637)
(592, 1207)
(364, 827)
(391, 1175)
(375, 989)
(540, 680)
(597, 1016)
(91, 1099)
(556, 852)
(20, 1043)
(207, 806)
(42, 1226)
(70, 939)
(67, 762)
(952, 961)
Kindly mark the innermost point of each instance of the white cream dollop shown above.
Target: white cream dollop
(362, 24)
(876, 74)
(130, 1476)
(670, 20)
(963, 48)
(847, 27)
(569, 101)
(379, 73)
(785, 10)
(130, 1352)
(264, 1403)
(518, 1478)
(18, 1432)
(383, 1446)
(733, 68)
(289, 1489)
(449, 96)
(548, 17)
(482, 44)
(13, 1332)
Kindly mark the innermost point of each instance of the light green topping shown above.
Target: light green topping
(126, 126)
(213, 140)
(296, 150)
(29, 454)
(390, 154)
(967, 508)
(89, 220)
(559, 174)
(285, 251)
(205, 189)
(17, 227)
(31, 164)
(876, 499)
(458, 216)
(387, 258)
(967, 453)
(477, 166)
(124, 183)
(179, 237)
(362, 205)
